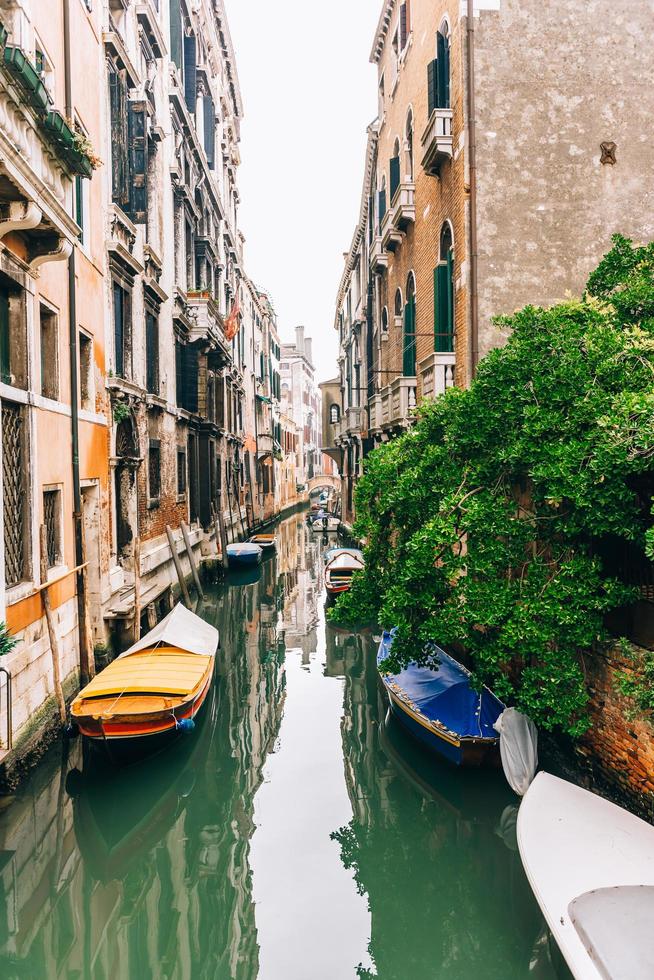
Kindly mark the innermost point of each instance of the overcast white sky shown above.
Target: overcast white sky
(308, 94)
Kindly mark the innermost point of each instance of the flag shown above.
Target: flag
(232, 323)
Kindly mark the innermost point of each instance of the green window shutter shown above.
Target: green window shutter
(443, 306)
(443, 71)
(190, 72)
(119, 137)
(119, 330)
(409, 340)
(209, 130)
(138, 161)
(432, 86)
(5, 349)
(395, 176)
(371, 218)
(176, 33)
(404, 26)
(381, 210)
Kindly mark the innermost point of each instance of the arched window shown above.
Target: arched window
(398, 302)
(409, 144)
(334, 413)
(443, 65)
(394, 170)
(409, 336)
(381, 202)
(384, 320)
(444, 293)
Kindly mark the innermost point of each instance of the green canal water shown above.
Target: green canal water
(297, 834)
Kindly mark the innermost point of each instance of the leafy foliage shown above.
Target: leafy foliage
(637, 683)
(7, 641)
(482, 521)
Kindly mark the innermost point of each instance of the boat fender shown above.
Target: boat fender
(74, 783)
(185, 725)
(518, 749)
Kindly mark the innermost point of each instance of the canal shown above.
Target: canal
(295, 835)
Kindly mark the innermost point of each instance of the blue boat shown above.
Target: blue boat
(442, 710)
(241, 555)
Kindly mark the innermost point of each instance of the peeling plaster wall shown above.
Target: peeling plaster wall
(553, 81)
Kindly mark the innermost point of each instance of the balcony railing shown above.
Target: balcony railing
(437, 374)
(265, 443)
(392, 407)
(437, 141)
(402, 212)
(378, 257)
(375, 408)
(355, 420)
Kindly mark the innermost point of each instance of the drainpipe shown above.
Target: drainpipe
(472, 144)
(85, 667)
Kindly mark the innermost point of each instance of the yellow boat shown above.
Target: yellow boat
(265, 541)
(153, 691)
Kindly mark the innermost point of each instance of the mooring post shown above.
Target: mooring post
(178, 568)
(189, 551)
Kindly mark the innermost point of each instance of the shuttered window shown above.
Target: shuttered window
(138, 160)
(395, 176)
(119, 137)
(119, 329)
(176, 33)
(381, 206)
(190, 72)
(432, 86)
(405, 26)
(409, 339)
(209, 130)
(444, 306)
(5, 349)
(152, 352)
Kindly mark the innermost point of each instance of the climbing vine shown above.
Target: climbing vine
(484, 522)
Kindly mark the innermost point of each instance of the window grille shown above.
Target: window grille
(51, 521)
(14, 494)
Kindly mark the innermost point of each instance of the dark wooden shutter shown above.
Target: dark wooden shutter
(443, 71)
(395, 176)
(404, 26)
(409, 345)
(382, 206)
(119, 330)
(5, 349)
(190, 72)
(432, 86)
(176, 33)
(371, 218)
(443, 307)
(138, 161)
(209, 130)
(190, 378)
(152, 352)
(119, 137)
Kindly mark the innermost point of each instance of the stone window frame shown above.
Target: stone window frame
(55, 567)
(44, 304)
(89, 382)
(154, 500)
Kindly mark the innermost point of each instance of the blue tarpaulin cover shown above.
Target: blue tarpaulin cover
(445, 695)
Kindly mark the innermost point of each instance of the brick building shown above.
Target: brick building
(479, 195)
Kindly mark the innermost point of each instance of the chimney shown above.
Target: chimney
(307, 350)
(299, 339)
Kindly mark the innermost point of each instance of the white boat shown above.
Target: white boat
(326, 522)
(340, 566)
(590, 865)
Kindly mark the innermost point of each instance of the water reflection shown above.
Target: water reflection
(295, 835)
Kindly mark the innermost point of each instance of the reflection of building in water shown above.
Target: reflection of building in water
(423, 845)
(147, 874)
(303, 589)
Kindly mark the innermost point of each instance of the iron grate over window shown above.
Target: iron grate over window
(51, 521)
(14, 493)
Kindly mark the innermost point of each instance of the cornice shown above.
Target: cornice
(382, 30)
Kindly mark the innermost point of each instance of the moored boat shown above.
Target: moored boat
(340, 566)
(590, 865)
(441, 709)
(243, 554)
(265, 541)
(325, 522)
(153, 691)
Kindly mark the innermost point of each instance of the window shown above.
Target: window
(409, 337)
(181, 471)
(409, 144)
(398, 303)
(152, 352)
(13, 334)
(154, 471)
(209, 130)
(15, 494)
(334, 413)
(444, 293)
(176, 34)
(190, 72)
(49, 334)
(382, 97)
(86, 392)
(122, 331)
(119, 137)
(404, 25)
(52, 521)
(384, 321)
(44, 68)
(438, 72)
(381, 202)
(395, 170)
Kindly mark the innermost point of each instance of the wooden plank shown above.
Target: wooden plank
(178, 568)
(189, 552)
(54, 647)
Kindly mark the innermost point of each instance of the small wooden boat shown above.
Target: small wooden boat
(590, 865)
(265, 541)
(441, 708)
(325, 522)
(340, 566)
(244, 554)
(153, 691)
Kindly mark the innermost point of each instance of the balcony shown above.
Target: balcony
(437, 141)
(265, 445)
(206, 318)
(437, 373)
(147, 14)
(402, 213)
(355, 421)
(378, 257)
(375, 408)
(391, 408)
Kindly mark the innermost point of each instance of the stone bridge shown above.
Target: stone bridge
(318, 482)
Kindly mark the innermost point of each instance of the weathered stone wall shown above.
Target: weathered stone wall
(618, 748)
(553, 81)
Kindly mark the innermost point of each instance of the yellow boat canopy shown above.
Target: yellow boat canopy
(164, 671)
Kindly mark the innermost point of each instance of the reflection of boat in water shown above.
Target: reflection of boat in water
(151, 693)
(441, 708)
(482, 795)
(325, 522)
(243, 576)
(119, 817)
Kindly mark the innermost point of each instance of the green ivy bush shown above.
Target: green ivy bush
(481, 522)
